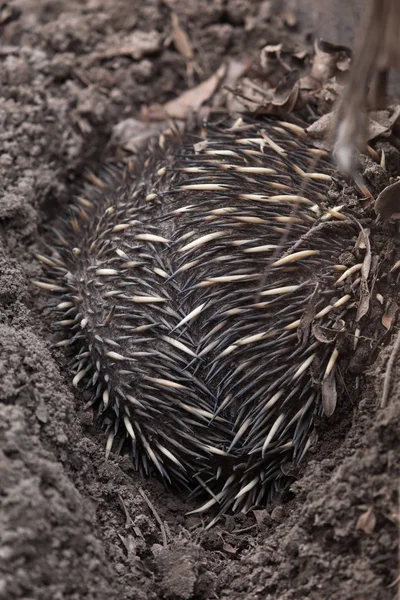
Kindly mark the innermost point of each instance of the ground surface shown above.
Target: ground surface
(73, 525)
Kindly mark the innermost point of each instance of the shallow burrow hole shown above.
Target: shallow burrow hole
(159, 500)
(240, 554)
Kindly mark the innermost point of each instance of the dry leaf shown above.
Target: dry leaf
(130, 544)
(387, 203)
(303, 332)
(133, 135)
(387, 318)
(365, 296)
(228, 548)
(249, 97)
(300, 54)
(367, 521)
(324, 334)
(261, 517)
(269, 52)
(191, 100)
(360, 243)
(329, 394)
(287, 92)
(327, 56)
(309, 84)
(381, 122)
(270, 55)
(182, 44)
(320, 131)
(366, 266)
(181, 39)
(235, 70)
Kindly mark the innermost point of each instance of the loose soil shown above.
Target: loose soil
(76, 526)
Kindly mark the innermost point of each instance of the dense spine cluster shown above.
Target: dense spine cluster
(205, 302)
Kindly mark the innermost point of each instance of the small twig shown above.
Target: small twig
(389, 372)
(245, 530)
(156, 516)
(129, 520)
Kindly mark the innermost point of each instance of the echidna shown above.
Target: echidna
(207, 305)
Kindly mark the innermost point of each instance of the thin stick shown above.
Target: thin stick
(156, 516)
(129, 520)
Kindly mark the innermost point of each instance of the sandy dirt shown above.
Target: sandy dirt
(73, 525)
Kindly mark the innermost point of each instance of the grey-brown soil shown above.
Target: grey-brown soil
(72, 524)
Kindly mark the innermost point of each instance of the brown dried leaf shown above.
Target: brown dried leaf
(365, 297)
(133, 135)
(320, 131)
(360, 243)
(367, 521)
(182, 44)
(303, 332)
(309, 84)
(226, 96)
(323, 334)
(249, 97)
(191, 100)
(261, 98)
(228, 548)
(329, 394)
(387, 203)
(235, 70)
(181, 39)
(287, 92)
(300, 54)
(366, 266)
(327, 56)
(262, 518)
(130, 544)
(270, 55)
(381, 122)
(388, 317)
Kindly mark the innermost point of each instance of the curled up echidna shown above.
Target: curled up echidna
(208, 307)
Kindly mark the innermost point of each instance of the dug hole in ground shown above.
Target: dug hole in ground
(74, 525)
